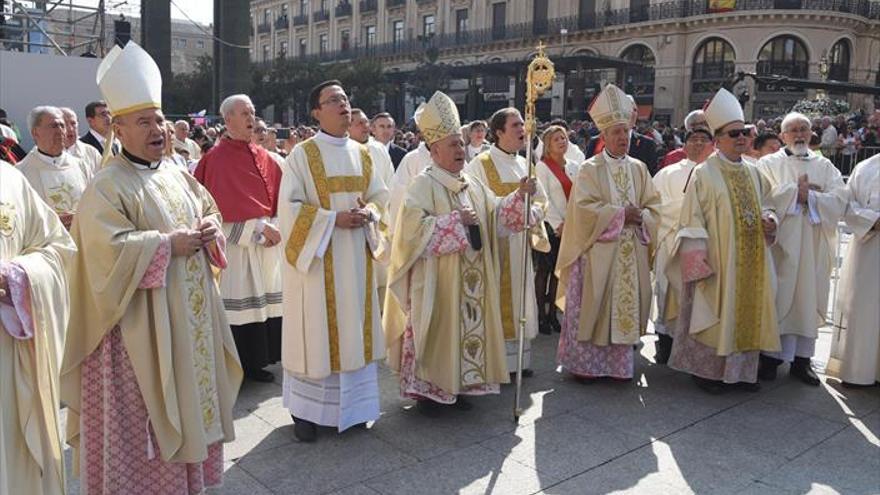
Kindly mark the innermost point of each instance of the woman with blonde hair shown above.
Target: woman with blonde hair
(475, 139)
(555, 174)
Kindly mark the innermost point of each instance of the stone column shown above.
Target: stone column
(231, 63)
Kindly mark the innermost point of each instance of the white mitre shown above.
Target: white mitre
(723, 109)
(612, 106)
(129, 80)
(438, 118)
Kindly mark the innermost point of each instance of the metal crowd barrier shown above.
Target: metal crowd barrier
(846, 163)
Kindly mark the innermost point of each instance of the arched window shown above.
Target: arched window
(638, 81)
(838, 61)
(714, 63)
(783, 56)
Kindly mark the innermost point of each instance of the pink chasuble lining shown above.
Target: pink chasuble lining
(583, 358)
(119, 452)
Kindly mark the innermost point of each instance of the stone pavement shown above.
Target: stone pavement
(658, 435)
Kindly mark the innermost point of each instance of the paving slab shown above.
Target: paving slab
(473, 470)
(334, 462)
(238, 482)
(556, 445)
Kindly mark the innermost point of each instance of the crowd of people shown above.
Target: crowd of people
(148, 268)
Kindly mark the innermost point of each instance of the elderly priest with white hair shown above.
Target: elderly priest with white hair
(810, 198)
(442, 313)
(150, 370)
(244, 180)
(58, 177)
(35, 249)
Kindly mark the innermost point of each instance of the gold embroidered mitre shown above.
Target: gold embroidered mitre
(438, 118)
(723, 109)
(611, 107)
(129, 80)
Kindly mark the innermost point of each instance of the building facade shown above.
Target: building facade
(670, 54)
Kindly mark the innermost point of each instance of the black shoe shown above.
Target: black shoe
(304, 431)
(713, 387)
(544, 327)
(802, 369)
(525, 374)
(749, 387)
(585, 380)
(261, 376)
(554, 323)
(663, 347)
(767, 367)
(856, 386)
(462, 404)
(428, 408)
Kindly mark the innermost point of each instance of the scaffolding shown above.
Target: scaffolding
(61, 27)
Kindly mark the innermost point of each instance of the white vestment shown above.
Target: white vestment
(410, 166)
(88, 154)
(332, 331)
(60, 180)
(556, 200)
(508, 170)
(806, 240)
(855, 350)
(572, 154)
(670, 184)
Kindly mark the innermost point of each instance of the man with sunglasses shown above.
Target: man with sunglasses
(810, 196)
(330, 208)
(721, 264)
(670, 182)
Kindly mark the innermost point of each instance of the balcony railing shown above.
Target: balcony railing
(282, 22)
(425, 2)
(301, 20)
(670, 10)
(264, 28)
(395, 3)
(320, 16)
(343, 9)
(369, 6)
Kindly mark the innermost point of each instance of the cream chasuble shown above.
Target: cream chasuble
(384, 168)
(177, 336)
(806, 240)
(32, 237)
(616, 297)
(60, 180)
(501, 172)
(733, 309)
(331, 310)
(451, 301)
(670, 184)
(855, 350)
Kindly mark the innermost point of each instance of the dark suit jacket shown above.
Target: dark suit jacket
(641, 148)
(89, 139)
(397, 153)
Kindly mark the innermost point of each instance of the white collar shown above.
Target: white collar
(101, 139)
(55, 161)
(331, 140)
(611, 159)
(501, 153)
(728, 160)
(809, 156)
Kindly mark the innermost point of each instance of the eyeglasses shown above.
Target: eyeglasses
(735, 133)
(334, 100)
(261, 130)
